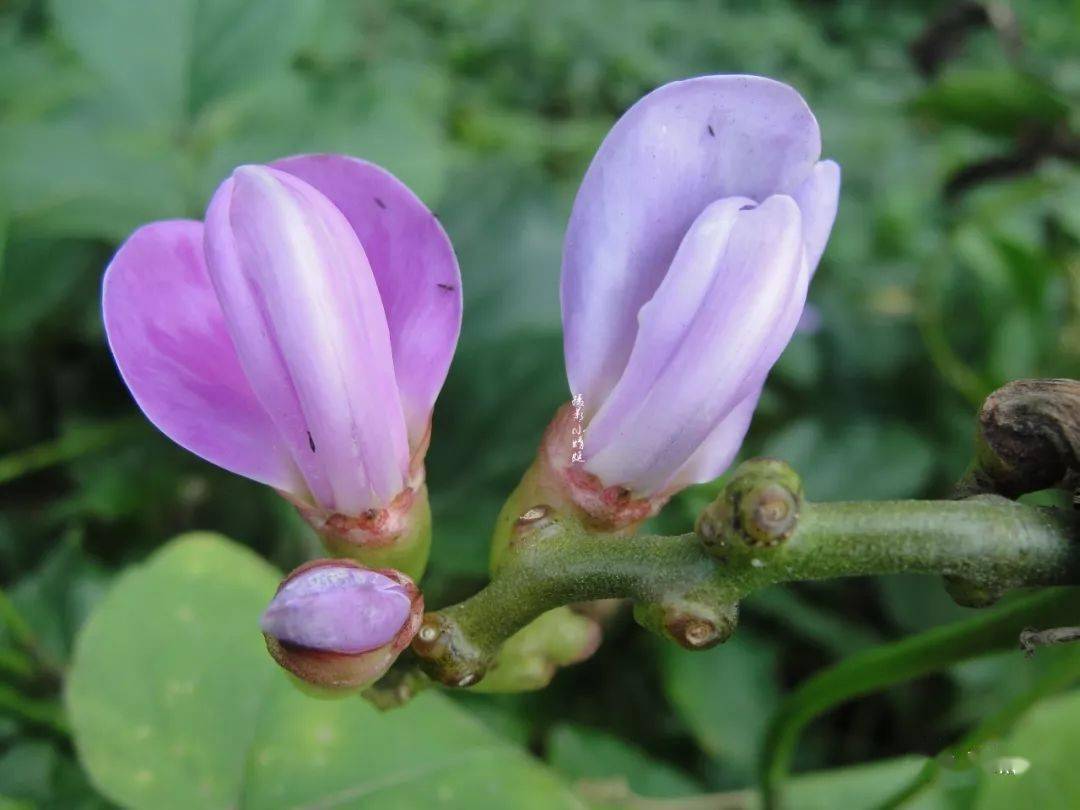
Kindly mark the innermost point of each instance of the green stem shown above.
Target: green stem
(87, 439)
(987, 544)
(47, 714)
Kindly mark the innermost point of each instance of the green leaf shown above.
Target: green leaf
(724, 696)
(880, 667)
(581, 753)
(860, 786)
(979, 758)
(175, 703)
(162, 60)
(1045, 743)
(998, 101)
(36, 772)
(856, 461)
(71, 178)
(56, 598)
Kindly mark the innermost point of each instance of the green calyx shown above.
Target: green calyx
(404, 547)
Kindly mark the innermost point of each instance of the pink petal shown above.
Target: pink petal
(414, 266)
(338, 609)
(168, 335)
(677, 150)
(305, 315)
(818, 198)
(719, 448)
(722, 351)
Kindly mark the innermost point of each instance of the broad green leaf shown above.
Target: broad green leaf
(1043, 746)
(861, 786)
(995, 101)
(877, 668)
(175, 703)
(979, 760)
(846, 463)
(724, 696)
(162, 60)
(581, 753)
(70, 178)
(917, 602)
(43, 280)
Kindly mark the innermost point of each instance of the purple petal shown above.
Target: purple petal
(677, 150)
(719, 448)
(722, 351)
(305, 316)
(414, 266)
(818, 198)
(168, 335)
(337, 609)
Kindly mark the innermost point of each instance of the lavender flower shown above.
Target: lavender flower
(692, 241)
(336, 624)
(299, 336)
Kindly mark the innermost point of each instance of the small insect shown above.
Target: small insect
(712, 132)
(447, 287)
(310, 441)
(380, 203)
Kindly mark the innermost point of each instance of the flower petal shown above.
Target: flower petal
(677, 150)
(337, 608)
(723, 350)
(719, 448)
(304, 313)
(168, 335)
(414, 266)
(818, 198)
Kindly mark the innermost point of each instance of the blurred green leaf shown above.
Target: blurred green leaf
(69, 178)
(581, 753)
(57, 597)
(175, 703)
(917, 602)
(38, 774)
(1042, 752)
(162, 60)
(879, 667)
(42, 278)
(997, 101)
(724, 696)
(862, 786)
(865, 459)
(979, 758)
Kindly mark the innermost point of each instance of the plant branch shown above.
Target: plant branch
(689, 588)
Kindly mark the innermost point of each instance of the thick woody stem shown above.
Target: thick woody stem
(987, 543)
(1028, 438)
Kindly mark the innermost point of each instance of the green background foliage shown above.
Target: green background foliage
(953, 267)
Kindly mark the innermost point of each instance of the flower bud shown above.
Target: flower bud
(337, 625)
(298, 336)
(692, 624)
(758, 507)
(688, 253)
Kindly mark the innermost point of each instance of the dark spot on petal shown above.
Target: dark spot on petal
(447, 287)
(712, 132)
(310, 442)
(749, 207)
(380, 203)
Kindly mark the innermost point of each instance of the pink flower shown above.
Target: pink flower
(300, 335)
(692, 241)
